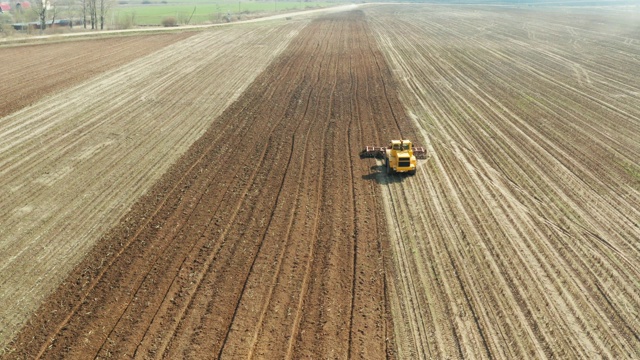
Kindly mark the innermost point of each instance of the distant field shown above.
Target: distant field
(198, 11)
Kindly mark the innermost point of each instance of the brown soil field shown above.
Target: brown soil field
(207, 200)
(260, 240)
(30, 72)
(73, 162)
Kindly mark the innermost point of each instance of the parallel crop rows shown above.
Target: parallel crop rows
(207, 200)
(261, 240)
(73, 163)
(524, 238)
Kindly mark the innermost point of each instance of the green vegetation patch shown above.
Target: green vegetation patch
(193, 12)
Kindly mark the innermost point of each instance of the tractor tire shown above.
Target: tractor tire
(386, 161)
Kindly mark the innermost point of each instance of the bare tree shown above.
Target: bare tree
(69, 9)
(105, 6)
(41, 7)
(84, 13)
(53, 11)
(93, 13)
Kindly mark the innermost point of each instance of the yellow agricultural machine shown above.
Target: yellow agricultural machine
(399, 157)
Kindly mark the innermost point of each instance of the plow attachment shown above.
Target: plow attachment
(373, 152)
(419, 152)
(379, 152)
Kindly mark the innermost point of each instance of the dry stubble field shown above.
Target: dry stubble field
(524, 238)
(268, 236)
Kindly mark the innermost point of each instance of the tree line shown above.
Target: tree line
(91, 13)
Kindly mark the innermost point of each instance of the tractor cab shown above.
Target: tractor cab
(399, 157)
(395, 145)
(401, 145)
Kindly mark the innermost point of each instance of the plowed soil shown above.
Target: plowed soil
(261, 239)
(73, 162)
(30, 72)
(207, 200)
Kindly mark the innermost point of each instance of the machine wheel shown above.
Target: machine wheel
(386, 161)
(412, 172)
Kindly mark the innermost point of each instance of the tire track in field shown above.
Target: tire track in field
(175, 279)
(205, 318)
(25, 81)
(263, 337)
(312, 306)
(103, 273)
(114, 139)
(524, 210)
(577, 256)
(167, 336)
(242, 241)
(178, 217)
(365, 110)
